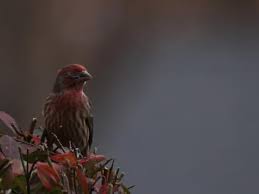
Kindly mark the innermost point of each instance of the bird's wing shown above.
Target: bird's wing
(90, 123)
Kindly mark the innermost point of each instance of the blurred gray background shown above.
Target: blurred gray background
(175, 89)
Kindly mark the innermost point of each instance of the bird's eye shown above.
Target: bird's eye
(73, 76)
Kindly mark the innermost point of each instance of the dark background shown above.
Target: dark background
(175, 89)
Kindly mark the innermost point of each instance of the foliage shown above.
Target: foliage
(28, 166)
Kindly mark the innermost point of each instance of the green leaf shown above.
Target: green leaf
(4, 164)
(19, 184)
(125, 189)
(56, 190)
(38, 155)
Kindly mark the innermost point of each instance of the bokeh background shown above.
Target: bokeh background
(175, 87)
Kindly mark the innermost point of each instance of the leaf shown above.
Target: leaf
(104, 189)
(19, 184)
(4, 165)
(56, 190)
(83, 181)
(2, 156)
(36, 139)
(48, 175)
(10, 147)
(38, 155)
(17, 168)
(110, 188)
(92, 158)
(67, 158)
(65, 182)
(9, 122)
(7, 178)
(92, 169)
(125, 189)
(8, 171)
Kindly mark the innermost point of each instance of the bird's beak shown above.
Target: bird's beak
(85, 76)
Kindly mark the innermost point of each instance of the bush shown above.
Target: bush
(28, 166)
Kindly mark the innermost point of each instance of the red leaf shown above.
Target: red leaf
(48, 175)
(92, 158)
(36, 140)
(67, 158)
(9, 122)
(17, 168)
(83, 181)
(2, 156)
(104, 189)
(10, 147)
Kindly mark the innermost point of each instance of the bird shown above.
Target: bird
(67, 111)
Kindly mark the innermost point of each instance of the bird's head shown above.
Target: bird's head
(71, 77)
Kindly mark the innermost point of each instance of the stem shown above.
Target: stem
(110, 171)
(19, 132)
(131, 187)
(58, 142)
(32, 126)
(29, 133)
(74, 180)
(21, 157)
(116, 176)
(27, 173)
(92, 187)
(32, 168)
(102, 165)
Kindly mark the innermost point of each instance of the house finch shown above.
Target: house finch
(67, 110)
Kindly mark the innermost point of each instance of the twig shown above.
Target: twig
(18, 131)
(58, 141)
(32, 167)
(121, 176)
(131, 187)
(29, 133)
(103, 165)
(116, 175)
(110, 171)
(32, 126)
(25, 142)
(92, 186)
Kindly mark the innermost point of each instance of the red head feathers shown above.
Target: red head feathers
(72, 76)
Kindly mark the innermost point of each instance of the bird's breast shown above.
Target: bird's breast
(66, 110)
